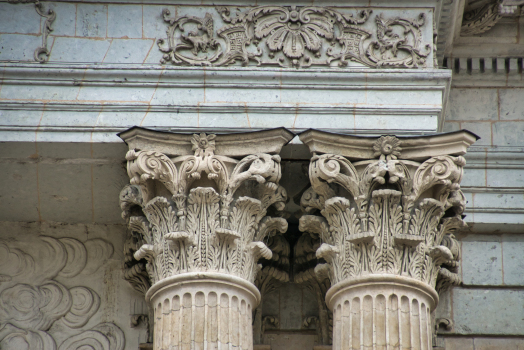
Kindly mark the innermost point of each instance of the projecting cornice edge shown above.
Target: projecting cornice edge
(413, 147)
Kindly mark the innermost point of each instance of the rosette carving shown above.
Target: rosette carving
(201, 212)
(386, 215)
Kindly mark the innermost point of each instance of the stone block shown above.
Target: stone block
(39, 92)
(18, 46)
(451, 126)
(117, 94)
(331, 97)
(153, 21)
(459, 344)
(305, 120)
(106, 193)
(18, 149)
(388, 122)
(482, 129)
(128, 51)
(120, 119)
(291, 306)
(511, 107)
(20, 118)
(508, 134)
(60, 150)
(473, 177)
(58, 202)
(287, 341)
(513, 255)
(473, 104)
(505, 177)
(19, 191)
(79, 50)
(65, 21)
(174, 119)
(68, 118)
(154, 56)
(91, 20)
(271, 120)
(19, 18)
(235, 95)
(178, 96)
(488, 311)
(124, 21)
(223, 120)
(498, 343)
(481, 260)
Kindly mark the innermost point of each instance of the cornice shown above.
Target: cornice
(167, 76)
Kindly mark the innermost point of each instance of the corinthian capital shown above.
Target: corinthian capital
(198, 203)
(386, 205)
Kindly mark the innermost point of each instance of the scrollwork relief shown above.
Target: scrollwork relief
(201, 212)
(398, 216)
(41, 53)
(32, 300)
(292, 36)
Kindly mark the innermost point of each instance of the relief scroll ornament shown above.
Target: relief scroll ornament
(385, 221)
(291, 36)
(199, 220)
(32, 301)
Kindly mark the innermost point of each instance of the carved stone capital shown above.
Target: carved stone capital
(385, 210)
(197, 208)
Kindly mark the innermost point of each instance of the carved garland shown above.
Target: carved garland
(294, 36)
(217, 225)
(398, 217)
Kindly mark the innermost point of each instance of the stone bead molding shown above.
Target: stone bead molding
(200, 211)
(386, 214)
(296, 36)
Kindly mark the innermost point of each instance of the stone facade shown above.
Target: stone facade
(254, 174)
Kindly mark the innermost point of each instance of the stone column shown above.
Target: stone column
(385, 210)
(197, 209)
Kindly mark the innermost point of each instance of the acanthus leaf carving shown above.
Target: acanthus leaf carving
(389, 217)
(296, 36)
(212, 216)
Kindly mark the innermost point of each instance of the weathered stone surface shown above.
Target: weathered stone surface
(488, 311)
(198, 224)
(62, 288)
(385, 248)
(482, 260)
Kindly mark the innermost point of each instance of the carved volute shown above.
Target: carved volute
(197, 207)
(385, 210)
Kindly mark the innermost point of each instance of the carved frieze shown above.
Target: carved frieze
(293, 36)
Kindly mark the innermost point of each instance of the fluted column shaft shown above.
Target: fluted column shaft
(386, 225)
(197, 225)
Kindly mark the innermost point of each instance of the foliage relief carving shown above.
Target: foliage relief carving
(201, 212)
(292, 36)
(398, 216)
